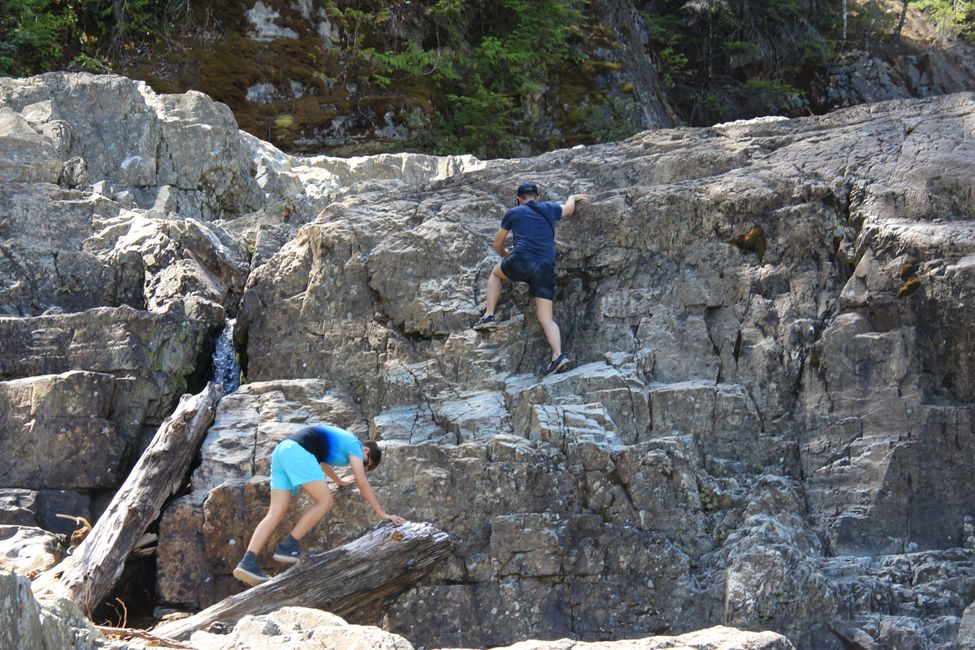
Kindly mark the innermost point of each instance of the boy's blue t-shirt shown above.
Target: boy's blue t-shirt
(338, 444)
(341, 443)
(532, 225)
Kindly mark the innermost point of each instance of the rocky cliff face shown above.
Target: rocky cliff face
(769, 421)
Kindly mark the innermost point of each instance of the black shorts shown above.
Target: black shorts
(540, 276)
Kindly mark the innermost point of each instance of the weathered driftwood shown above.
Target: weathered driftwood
(89, 574)
(382, 562)
(129, 633)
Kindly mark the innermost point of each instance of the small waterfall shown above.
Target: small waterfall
(226, 370)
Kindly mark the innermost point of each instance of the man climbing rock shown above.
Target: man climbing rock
(532, 260)
(302, 461)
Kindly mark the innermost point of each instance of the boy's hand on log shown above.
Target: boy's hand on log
(396, 519)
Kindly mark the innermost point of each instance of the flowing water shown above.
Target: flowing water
(226, 370)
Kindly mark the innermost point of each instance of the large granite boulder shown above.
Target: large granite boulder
(79, 395)
(289, 627)
(45, 263)
(748, 304)
(149, 357)
(31, 155)
(187, 142)
(768, 422)
(719, 637)
(26, 624)
(310, 628)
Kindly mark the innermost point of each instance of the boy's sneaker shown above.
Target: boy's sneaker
(288, 553)
(486, 323)
(249, 573)
(558, 364)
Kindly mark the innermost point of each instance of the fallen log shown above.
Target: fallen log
(89, 574)
(382, 562)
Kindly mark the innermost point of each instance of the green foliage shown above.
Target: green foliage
(870, 22)
(728, 59)
(709, 106)
(489, 61)
(515, 47)
(816, 50)
(413, 61)
(87, 63)
(953, 17)
(31, 33)
(483, 121)
(360, 23)
(774, 92)
(708, 497)
(666, 31)
(41, 35)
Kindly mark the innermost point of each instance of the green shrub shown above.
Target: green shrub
(952, 17)
(775, 92)
(41, 35)
(489, 62)
(31, 34)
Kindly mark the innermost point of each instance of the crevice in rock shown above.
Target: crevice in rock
(426, 402)
(908, 514)
(585, 294)
(709, 315)
(524, 347)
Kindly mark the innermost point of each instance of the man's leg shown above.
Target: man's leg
(494, 285)
(318, 490)
(280, 500)
(543, 312)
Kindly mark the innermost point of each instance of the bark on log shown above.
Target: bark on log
(382, 562)
(90, 573)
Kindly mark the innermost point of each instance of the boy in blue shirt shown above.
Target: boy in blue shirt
(302, 461)
(532, 260)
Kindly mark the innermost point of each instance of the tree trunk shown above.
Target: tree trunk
(90, 573)
(901, 20)
(845, 14)
(119, 19)
(382, 562)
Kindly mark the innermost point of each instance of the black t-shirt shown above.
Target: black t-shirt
(313, 441)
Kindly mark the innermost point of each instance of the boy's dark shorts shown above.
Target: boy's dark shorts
(540, 276)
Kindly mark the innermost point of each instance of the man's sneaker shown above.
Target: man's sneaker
(288, 553)
(485, 324)
(249, 573)
(558, 364)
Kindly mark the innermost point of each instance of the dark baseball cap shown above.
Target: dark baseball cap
(527, 188)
